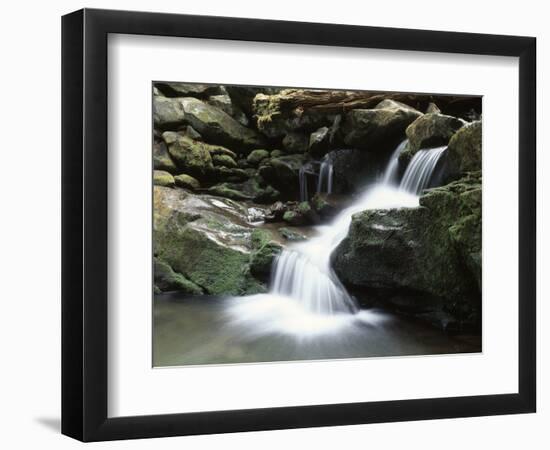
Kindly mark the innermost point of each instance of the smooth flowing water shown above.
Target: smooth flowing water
(306, 302)
(326, 172)
(306, 297)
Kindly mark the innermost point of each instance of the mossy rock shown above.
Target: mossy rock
(163, 178)
(265, 251)
(257, 156)
(464, 151)
(187, 182)
(431, 254)
(208, 245)
(168, 280)
(217, 127)
(319, 142)
(189, 155)
(224, 160)
(161, 158)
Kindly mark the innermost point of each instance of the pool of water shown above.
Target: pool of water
(211, 330)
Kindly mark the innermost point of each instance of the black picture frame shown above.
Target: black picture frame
(84, 224)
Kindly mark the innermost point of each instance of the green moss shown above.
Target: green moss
(168, 280)
(186, 181)
(257, 156)
(224, 160)
(163, 178)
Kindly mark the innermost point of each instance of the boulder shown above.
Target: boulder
(224, 103)
(250, 189)
(167, 113)
(428, 131)
(378, 130)
(205, 239)
(161, 158)
(167, 280)
(301, 214)
(187, 182)
(163, 178)
(222, 173)
(217, 127)
(282, 173)
(464, 151)
(189, 155)
(426, 259)
(257, 156)
(224, 160)
(319, 142)
(188, 89)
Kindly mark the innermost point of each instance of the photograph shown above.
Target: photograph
(294, 224)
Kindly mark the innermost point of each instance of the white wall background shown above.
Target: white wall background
(30, 225)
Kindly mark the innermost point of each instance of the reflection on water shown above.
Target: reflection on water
(208, 330)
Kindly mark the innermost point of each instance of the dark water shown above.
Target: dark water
(207, 330)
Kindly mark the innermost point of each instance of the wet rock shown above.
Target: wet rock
(205, 239)
(161, 158)
(275, 212)
(187, 182)
(325, 205)
(301, 214)
(163, 178)
(291, 235)
(428, 256)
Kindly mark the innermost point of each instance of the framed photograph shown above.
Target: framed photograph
(274, 224)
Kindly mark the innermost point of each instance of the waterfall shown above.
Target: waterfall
(302, 177)
(325, 176)
(306, 297)
(420, 170)
(392, 170)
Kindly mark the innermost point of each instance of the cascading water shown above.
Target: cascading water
(420, 170)
(392, 170)
(305, 295)
(326, 171)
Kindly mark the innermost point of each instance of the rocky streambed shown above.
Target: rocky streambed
(232, 163)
